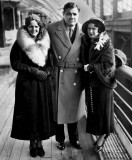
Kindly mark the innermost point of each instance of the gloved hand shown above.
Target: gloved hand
(90, 68)
(41, 75)
(48, 70)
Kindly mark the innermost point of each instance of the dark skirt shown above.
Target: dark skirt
(33, 110)
(100, 110)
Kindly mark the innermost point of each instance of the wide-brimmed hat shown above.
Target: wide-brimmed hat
(94, 20)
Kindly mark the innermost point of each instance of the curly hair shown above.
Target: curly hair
(42, 29)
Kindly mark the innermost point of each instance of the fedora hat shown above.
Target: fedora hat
(94, 20)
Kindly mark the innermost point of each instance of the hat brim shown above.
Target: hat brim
(85, 25)
(120, 56)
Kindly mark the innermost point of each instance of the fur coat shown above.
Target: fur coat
(33, 109)
(100, 57)
(36, 51)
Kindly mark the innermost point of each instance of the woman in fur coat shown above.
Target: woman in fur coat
(33, 117)
(99, 60)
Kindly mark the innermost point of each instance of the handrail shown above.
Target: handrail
(123, 133)
(127, 90)
(123, 100)
(123, 113)
(118, 121)
(126, 71)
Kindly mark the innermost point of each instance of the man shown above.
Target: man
(66, 75)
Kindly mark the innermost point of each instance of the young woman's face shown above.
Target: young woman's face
(33, 28)
(92, 31)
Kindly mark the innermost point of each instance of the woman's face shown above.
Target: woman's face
(33, 28)
(92, 31)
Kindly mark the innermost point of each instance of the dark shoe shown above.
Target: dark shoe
(61, 145)
(33, 151)
(76, 144)
(40, 151)
(99, 148)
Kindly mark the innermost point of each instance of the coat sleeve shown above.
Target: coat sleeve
(105, 69)
(49, 63)
(15, 59)
(18, 66)
(85, 50)
(108, 59)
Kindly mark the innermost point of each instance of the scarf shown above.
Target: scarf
(37, 52)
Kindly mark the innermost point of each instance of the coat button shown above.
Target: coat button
(74, 84)
(59, 57)
(77, 59)
(75, 71)
(61, 70)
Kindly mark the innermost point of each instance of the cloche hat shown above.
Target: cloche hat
(94, 20)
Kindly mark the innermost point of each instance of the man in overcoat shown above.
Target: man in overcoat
(66, 77)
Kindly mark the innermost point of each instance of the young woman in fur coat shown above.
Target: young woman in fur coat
(33, 117)
(99, 60)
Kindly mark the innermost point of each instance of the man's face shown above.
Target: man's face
(71, 16)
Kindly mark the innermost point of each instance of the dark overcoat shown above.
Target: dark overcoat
(33, 112)
(66, 78)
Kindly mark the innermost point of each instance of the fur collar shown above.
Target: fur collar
(36, 51)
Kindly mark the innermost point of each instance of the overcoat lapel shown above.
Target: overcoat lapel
(61, 32)
(77, 42)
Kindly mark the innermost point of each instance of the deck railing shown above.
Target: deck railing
(126, 71)
(123, 103)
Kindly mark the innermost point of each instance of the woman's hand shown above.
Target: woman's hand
(89, 67)
(39, 74)
(86, 67)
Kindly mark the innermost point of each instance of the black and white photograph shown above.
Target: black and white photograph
(65, 79)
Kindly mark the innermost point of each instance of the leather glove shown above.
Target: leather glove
(41, 75)
(48, 70)
(90, 68)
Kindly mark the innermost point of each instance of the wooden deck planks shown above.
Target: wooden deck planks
(6, 143)
(88, 152)
(17, 149)
(6, 108)
(12, 149)
(25, 151)
(7, 148)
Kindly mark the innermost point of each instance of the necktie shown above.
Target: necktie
(70, 33)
